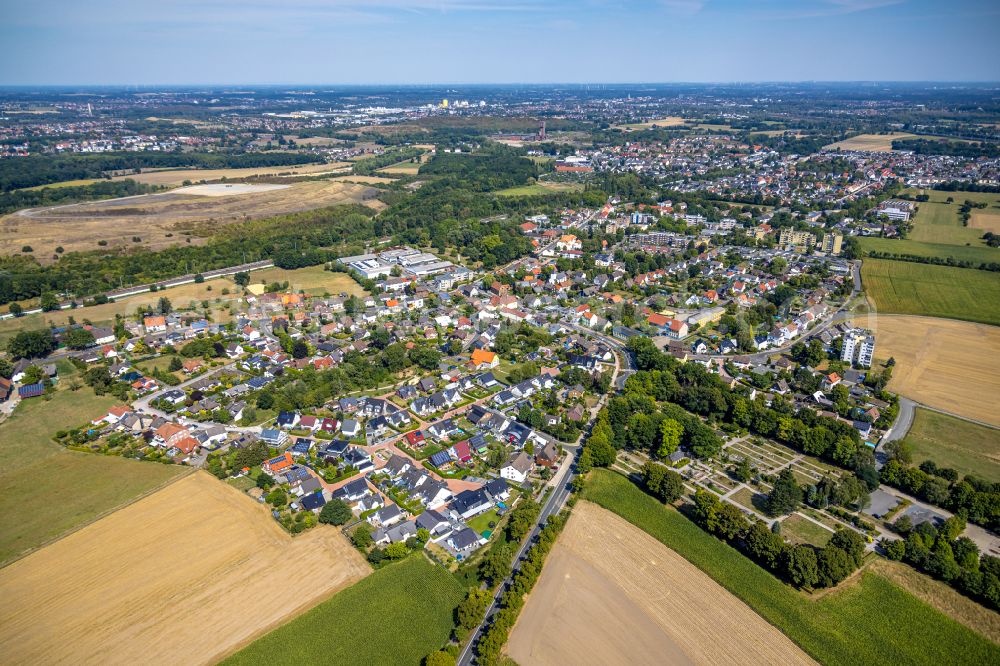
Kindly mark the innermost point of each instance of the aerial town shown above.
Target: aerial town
(500, 374)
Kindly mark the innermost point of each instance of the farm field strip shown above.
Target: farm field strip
(946, 364)
(143, 584)
(397, 615)
(900, 287)
(845, 626)
(967, 447)
(610, 593)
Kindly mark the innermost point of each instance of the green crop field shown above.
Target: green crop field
(46, 490)
(867, 621)
(937, 221)
(397, 615)
(937, 291)
(538, 189)
(966, 447)
(977, 252)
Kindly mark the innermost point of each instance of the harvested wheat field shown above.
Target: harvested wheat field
(985, 221)
(870, 142)
(612, 594)
(183, 576)
(943, 363)
(161, 220)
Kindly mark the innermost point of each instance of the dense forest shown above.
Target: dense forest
(45, 169)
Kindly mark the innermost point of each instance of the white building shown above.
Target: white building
(859, 348)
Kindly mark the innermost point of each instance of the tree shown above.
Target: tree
(264, 481)
(743, 471)
(277, 497)
(242, 278)
(175, 364)
(362, 536)
(396, 551)
(31, 344)
(78, 338)
(335, 512)
(15, 309)
(496, 565)
(49, 302)
(785, 496)
(471, 610)
(664, 484)
(851, 543)
(801, 566)
(164, 306)
(265, 400)
(895, 549)
(834, 566)
(439, 658)
(670, 437)
(300, 349)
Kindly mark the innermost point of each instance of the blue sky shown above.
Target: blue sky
(495, 41)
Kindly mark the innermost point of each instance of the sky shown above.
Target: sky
(178, 42)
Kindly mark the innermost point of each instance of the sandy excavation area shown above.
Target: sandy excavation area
(171, 177)
(162, 220)
(183, 576)
(943, 363)
(612, 594)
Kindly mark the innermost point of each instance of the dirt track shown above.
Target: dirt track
(181, 577)
(612, 594)
(943, 363)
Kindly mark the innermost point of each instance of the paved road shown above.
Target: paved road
(562, 485)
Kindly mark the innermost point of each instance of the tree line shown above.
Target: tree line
(45, 169)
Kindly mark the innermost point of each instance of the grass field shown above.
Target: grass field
(937, 291)
(946, 364)
(312, 279)
(868, 620)
(978, 252)
(937, 221)
(967, 447)
(539, 188)
(46, 490)
(180, 577)
(797, 529)
(670, 121)
(612, 594)
(869, 142)
(162, 220)
(398, 615)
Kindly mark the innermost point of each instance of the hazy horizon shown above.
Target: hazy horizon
(527, 42)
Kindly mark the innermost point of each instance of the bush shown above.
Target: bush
(335, 512)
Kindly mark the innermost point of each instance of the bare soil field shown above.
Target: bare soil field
(985, 221)
(161, 220)
(228, 189)
(872, 142)
(364, 180)
(612, 594)
(184, 576)
(943, 363)
(173, 177)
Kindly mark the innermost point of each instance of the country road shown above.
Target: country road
(561, 485)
